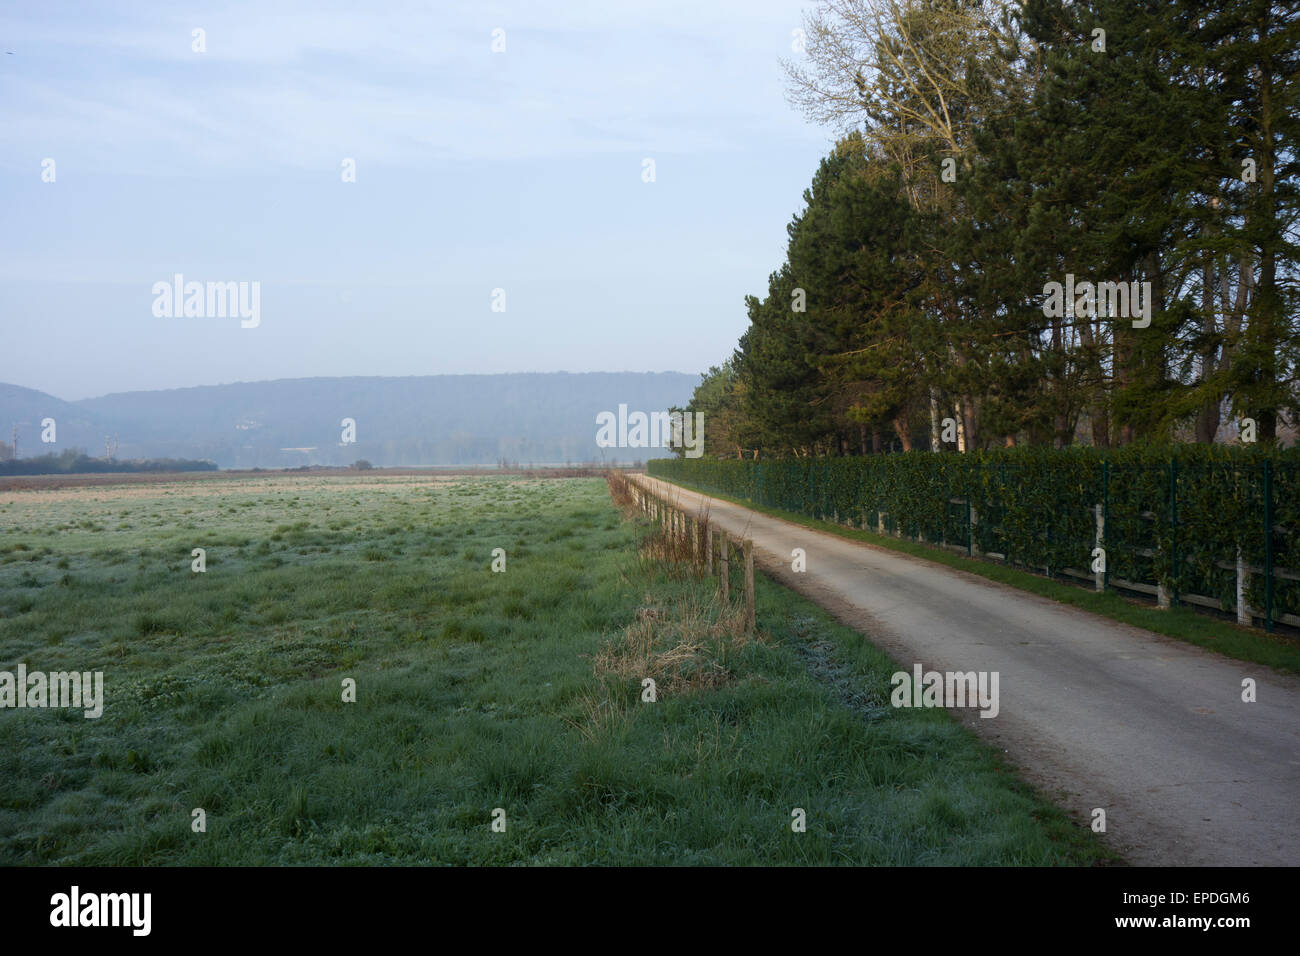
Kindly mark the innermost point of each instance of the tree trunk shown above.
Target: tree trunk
(934, 424)
(1207, 419)
(904, 432)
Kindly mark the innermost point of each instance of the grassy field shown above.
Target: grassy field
(475, 690)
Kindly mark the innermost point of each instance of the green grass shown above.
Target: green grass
(475, 691)
(1184, 623)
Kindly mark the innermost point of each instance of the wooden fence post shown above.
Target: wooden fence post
(749, 584)
(708, 548)
(724, 565)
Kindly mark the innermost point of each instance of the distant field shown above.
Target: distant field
(83, 479)
(475, 691)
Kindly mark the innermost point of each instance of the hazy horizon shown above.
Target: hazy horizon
(474, 171)
(296, 378)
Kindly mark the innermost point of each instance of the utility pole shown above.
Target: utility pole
(15, 443)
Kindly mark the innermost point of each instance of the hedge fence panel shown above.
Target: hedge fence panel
(1190, 523)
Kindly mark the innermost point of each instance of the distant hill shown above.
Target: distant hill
(75, 426)
(418, 420)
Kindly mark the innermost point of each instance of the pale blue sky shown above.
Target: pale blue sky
(475, 170)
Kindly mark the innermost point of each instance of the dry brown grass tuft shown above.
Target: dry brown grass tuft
(683, 648)
(600, 714)
(675, 551)
(683, 645)
(620, 491)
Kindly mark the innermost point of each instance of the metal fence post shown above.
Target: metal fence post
(1268, 545)
(973, 516)
(1002, 499)
(1173, 532)
(1099, 535)
(1105, 519)
(1243, 586)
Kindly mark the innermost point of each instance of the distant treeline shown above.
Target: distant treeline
(75, 462)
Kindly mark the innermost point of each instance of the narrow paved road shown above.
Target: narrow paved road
(1095, 713)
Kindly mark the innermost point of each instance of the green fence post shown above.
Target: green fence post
(1105, 522)
(969, 551)
(861, 494)
(1002, 491)
(1268, 545)
(967, 471)
(1173, 533)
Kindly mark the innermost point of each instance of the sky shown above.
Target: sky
(522, 170)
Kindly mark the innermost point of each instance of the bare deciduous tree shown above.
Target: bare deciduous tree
(914, 76)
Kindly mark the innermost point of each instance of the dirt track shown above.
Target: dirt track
(1095, 713)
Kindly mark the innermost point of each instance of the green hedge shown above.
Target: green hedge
(1172, 516)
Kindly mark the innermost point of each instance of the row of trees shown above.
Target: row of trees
(75, 461)
(989, 149)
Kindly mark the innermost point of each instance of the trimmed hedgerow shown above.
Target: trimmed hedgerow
(1174, 516)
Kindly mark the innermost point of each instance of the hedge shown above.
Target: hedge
(1173, 518)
